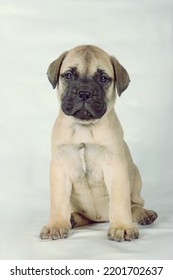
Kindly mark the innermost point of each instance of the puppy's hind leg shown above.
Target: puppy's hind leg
(140, 215)
(78, 220)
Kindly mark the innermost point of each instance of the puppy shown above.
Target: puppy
(92, 174)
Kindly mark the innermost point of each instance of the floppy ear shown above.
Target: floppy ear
(54, 69)
(121, 75)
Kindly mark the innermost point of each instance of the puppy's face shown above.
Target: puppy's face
(85, 83)
(86, 79)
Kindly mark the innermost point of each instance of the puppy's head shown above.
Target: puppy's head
(86, 78)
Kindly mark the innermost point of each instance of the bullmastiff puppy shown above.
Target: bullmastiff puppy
(92, 174)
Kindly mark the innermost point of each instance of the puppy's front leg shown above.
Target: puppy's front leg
(60, 187)
(118, 186)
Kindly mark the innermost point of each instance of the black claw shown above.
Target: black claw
(72, 221)
(65, 235)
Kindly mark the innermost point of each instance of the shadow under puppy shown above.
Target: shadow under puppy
(92, 174)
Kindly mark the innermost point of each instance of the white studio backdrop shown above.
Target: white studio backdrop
(32, 34)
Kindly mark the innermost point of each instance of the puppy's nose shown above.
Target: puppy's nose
(84, 95)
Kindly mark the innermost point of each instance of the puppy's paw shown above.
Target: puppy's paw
(143, 216)
(54, 232)
(148, 217)
(122, 233)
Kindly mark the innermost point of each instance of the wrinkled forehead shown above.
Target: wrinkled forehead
(87, 61)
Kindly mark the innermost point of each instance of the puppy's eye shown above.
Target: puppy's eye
(68, 75)
(103, 79)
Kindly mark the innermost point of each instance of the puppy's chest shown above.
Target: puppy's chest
(84, 158)
(90, 161)
(89, 194)
(84, 162)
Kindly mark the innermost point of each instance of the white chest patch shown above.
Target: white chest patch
(82, 156)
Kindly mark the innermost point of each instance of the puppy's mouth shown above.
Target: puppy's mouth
(84, 111)
(83, 114)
